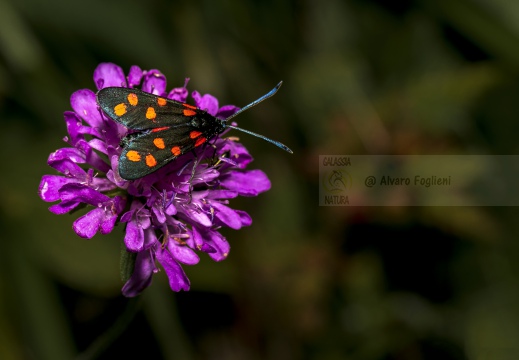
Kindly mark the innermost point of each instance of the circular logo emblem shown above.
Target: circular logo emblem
(336, 180)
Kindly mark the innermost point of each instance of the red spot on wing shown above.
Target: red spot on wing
(175, 150)
(133, 155)
(151, 114)
(194, 134)
(120, 109)
(188, 112)
(150, 160)
(200, 141)
(161, 101)
(133, 99)
(160, 129)
(159, 143)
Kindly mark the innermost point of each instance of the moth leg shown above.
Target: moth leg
(195, 164)
(165, 237)
(214, 160)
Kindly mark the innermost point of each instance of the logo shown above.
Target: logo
(336, 181)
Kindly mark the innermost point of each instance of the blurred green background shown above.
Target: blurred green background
(303, 282)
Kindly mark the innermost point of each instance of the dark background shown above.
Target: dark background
(303, 282)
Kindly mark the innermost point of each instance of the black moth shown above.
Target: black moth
(164, 129)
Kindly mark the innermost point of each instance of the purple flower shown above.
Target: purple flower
(170, 215)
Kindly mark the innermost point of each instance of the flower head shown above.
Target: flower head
(172, 214)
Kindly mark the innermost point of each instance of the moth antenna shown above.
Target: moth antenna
(274, 142)
(256, 102)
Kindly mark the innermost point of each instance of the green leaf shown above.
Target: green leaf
(127, 263)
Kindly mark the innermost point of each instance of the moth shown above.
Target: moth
(163, 129)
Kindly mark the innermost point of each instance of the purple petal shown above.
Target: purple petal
(74, 126)
(205, 176)
(211, 242)
(64, 207)
(50, 185)
(108, 224)
(68, 154)
(138, 221)
(154, 83)
(245, 218)
(157, 207)
(76, 129)
(134, 237)
(114, 176)
(238, 153)
(196, 240)
(218, 242)
(144, 218)
(171, 209)
(92, 157)
(101, 219)
(108, 74)
(246, 183)
(237, 150)
(227, 215)
(176, 275)
(85, 105)
(150, 238)
(134, 76)
(182, 253)
(159, 214)
(197, 215)
(227, 110)
(98, 145)
(142, 274)
(205, 247)
(207, 102)
(102, 185)
(127, 216)
(222, 194)
(112, 211)
(87, 225)
(179, 94)
(113, 132)
(199, 195)
(82, 193)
